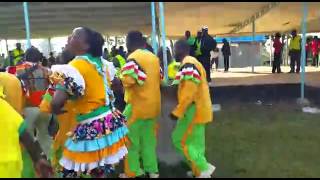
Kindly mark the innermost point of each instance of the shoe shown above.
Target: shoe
(190, 174)
(153, 175)
(123, 175)
(208, 172)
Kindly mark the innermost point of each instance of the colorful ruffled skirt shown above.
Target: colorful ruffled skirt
(97, 143)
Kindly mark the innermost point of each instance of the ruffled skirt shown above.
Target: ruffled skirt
(96, 142)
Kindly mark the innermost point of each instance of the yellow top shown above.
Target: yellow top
(17, 54)
(143, 94)
(295, 43)
(12, 123)
(13, 90)
(94, 96)
(173, 68)
(196, 91)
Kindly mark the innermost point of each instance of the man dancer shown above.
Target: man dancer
(193, 111)
(141, 80)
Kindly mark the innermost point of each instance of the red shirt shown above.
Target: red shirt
(315, 47)
(277, 46)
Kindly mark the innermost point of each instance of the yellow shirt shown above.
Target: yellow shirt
(194, 92)
(94, 96)
(145, 98)
(13, 90)
(295, 43)
(10, 153)
(17, 54)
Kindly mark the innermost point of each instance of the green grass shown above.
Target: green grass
(247, 140)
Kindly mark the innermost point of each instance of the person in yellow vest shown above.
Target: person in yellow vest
(295, 51)
(173, 65)
(17, 54)
(14, 132)
(197, 45)
(141, 79)
(193, 111)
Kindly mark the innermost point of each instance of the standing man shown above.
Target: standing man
(141, 80)
(315, 51)
(17, 54)
(190, 41)
(295, 51)
(51, 59)
(207, 44)
(193, 111)
(226, 54)
(277, 45)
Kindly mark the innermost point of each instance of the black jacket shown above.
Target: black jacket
(226, 49)
(207, 44)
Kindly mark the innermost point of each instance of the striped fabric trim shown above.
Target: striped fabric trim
(188, 72)
(133, 69)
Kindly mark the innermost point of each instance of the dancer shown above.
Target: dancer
(193, 111)
(141, 80)
(14, 131)
(98, 141)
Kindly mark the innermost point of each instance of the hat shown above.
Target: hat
(204, 27)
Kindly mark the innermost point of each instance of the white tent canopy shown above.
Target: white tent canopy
(48, 19)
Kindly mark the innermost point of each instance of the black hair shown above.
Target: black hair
(136, 39)
(278, 35)
(65, 57)
(33, 55)
(183, 44)
(95, 41)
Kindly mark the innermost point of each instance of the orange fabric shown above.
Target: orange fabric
(148, 94)
(199, 95)
(194, 168)
(94, 92)
(12, 90)
(127, 170)
(88, 157)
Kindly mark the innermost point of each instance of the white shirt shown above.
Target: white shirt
(214, 54)
(112, 70)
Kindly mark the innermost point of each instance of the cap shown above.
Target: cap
(204, 27)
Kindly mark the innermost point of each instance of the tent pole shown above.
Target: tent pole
(303, 54)
(163, 37)
(253, 40)
(270, 51)
(49, 44)
(26, 21)
(154, 31)
(7, 48)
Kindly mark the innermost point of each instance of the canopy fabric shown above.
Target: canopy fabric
(49, 19)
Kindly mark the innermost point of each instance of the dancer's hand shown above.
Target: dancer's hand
(43, 168)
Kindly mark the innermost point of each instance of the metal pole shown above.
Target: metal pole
(49, 44)
(270, 51)
(7, 48)
(163, 37)
(26, 21)
(154, 31)
(303, 48)
(253, 41)
(287, 50)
